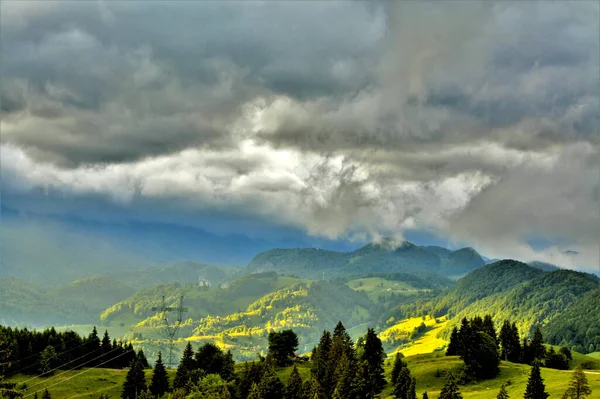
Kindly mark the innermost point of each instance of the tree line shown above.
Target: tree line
(481, 349)
(40, 352)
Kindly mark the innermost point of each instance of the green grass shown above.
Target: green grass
(424, 368)
(90, 383)
(84, 383)
(594, 355)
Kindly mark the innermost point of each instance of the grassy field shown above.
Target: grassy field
(90, 383)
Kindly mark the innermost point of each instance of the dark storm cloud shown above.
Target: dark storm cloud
(338, 118)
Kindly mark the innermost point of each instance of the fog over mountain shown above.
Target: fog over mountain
(324, 124)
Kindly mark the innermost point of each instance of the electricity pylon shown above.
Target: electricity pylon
(171, 328)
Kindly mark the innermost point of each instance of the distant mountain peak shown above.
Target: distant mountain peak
(390, 244)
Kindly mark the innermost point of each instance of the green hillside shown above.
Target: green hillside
(307, 307)
(200, 300)
(428, 370)
(383, 257)
(27, 304)
(183, 272)
(578, 325)
(537, 301)
(478, 284)
(91, 295)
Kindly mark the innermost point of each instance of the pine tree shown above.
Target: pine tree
(320, 368)
(313, 390)
(412, 391)
(373, 355)
(270, 385)
(397, 367)
(92, 344)
(489, 328)
(160, 380)
(454, 343)
(141, 358)
(502, 394)
(578, 387)
(106, 347)
(510, 342)
(294, 386)
(450, 389)
(344, 375)
(135, 382)
(254, 392)
(186, 365)
(535, 385)
(537, 348)
(401, 380)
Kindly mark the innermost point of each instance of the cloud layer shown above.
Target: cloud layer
(476, 122)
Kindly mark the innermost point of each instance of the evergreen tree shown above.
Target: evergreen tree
(48, 359)
(270, 386)
(106, 347)
(454, 343)
(340, 332)
(412, 392)
(160, 380)
(254, 392)
(135, 382)
(359, 388)
(401, 379)
(46, 394)
(502, 394)
(374, 356)
(450, 389)
(92, 344)
(294, 386)
(186, 365)
(578, 387)
(141, 358)
(320, 368)
(536, 347)
(7, 389)
(510, 342)
(489, 328)
(535, 385)
(313, 390)
(344, 375)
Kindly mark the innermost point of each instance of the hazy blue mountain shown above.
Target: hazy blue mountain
(182, 272)
(381, 257)
(73, 248)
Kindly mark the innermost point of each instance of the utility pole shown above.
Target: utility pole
(171, 328)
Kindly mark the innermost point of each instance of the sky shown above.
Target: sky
(462, 123)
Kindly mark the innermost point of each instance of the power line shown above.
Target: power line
(76, 375)
(54, 346)
(61, 366)
(37, 354)
(71, 369)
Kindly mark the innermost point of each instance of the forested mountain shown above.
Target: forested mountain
(201, 299)
(26, 303)
(381, 257)
(307, 307)
(480, 283)
(183, 272)
(578, 325)
(535, 302)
